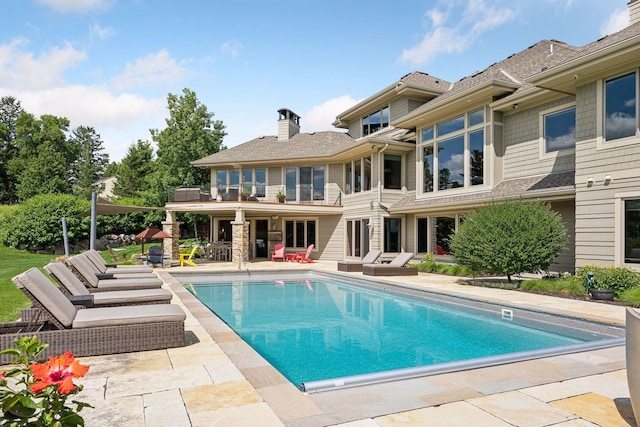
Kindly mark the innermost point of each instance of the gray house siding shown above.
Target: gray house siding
(522, 144)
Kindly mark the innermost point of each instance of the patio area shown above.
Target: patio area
(218, 380)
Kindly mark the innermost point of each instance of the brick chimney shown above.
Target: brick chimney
(288, 124)
(634, 11)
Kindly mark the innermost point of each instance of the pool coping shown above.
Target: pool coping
(295, 407)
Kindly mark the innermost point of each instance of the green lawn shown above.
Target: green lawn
(13, 262)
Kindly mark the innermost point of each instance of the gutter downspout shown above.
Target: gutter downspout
(380, 172)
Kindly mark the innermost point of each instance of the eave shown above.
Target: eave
(586, 68)
(456, 103)
(384, 97)
(254, 208)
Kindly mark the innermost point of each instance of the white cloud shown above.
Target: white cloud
(23, 70)
(232, 47)
(618, 20)
(76, 6)
(102, 33)
(475, 19)
(320, 117)
(152, 69)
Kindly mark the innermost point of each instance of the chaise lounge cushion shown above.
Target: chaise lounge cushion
(88, 273)
(74, 286)
(395, 268)
(356, 265)
(97, 260)
(55, 301)
(110, 316)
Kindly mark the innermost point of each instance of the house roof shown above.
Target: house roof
(499, 79)
(268, 149)
(559, 184)
(416, 85)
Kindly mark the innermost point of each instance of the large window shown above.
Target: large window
(300, 233)
(392, 234)
(253, 181)
(357, 175)
(559, 130)
(375, 121)
(621, 107)
(393, 171)
(632, 231)
(305, 183)
(452, 153)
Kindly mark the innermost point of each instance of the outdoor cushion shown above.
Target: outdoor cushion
(102, 266)
(120, 274)
(110, 316)
(89, 275)
(49, 296)
(401, 259)
(66, 278)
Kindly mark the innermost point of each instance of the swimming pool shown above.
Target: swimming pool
(323, 332)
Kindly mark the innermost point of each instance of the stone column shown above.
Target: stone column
(240, 240)
(170, 247)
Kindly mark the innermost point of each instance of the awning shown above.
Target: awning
(105, 207)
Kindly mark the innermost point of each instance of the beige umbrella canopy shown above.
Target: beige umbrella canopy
(152, 233)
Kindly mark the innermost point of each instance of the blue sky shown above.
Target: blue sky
(111, 63)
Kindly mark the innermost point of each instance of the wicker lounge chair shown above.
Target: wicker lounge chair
(105, 268)
(395, 268)
(71, 286)
(96, 331)
(124, 274)
(356, 266)
(87, 272)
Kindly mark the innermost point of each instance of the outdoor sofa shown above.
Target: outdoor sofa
(395, 268)
(97, 260)
(356, 266)
(95, 331)
(87, 273)
(71, 286)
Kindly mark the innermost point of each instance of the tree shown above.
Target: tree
(133, 170)
(509, 237)
(10, 110)
(45, 156)
(191, 134)
(91, 160)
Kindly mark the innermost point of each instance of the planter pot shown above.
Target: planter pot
(602, 294)
(281, 200)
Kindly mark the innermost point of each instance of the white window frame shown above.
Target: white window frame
(619, 231)
(305, 220)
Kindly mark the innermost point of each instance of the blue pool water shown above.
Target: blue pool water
(321, 328)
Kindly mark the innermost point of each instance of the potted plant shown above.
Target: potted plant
(281, 196)
(596, 292)
(244, 195)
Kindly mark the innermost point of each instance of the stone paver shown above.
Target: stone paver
(218, 380)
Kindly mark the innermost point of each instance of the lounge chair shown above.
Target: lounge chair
(188, 258)
(395, 268)
(95, 331)
(305, 256)
(356, 266)
(87, 272)
(71, 286)
(278, 252)
(97, 260)
(155, 256)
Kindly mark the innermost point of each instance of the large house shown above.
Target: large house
(553, 122)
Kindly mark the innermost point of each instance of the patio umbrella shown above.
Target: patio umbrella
(151, 233)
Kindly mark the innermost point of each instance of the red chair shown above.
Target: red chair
(305, 256)
(440, 251)
(278, 252)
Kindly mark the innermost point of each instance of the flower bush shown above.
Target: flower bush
(619, 279)
(35, 394)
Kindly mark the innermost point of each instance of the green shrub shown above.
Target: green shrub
(509, 237)
(555, 285)
(37, 223)
(631, 297)
(619, 279)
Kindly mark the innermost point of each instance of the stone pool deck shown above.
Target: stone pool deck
(217, 380)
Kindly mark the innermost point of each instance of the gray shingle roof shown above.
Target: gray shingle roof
(514, 69)
(418, 78)
(268, 148)
(529, 187)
